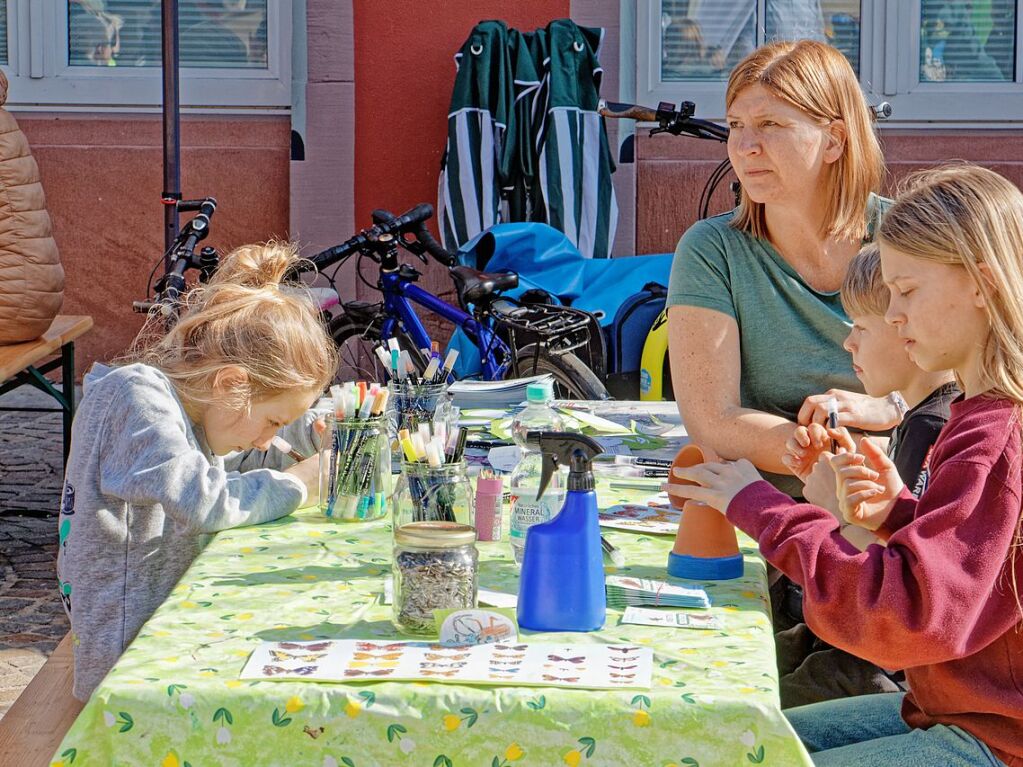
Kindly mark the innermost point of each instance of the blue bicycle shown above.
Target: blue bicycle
(514, 339)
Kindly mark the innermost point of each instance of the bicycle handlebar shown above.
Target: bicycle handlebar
(384, 223)
(669, 119)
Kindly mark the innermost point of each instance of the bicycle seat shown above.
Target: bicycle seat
(473, 286)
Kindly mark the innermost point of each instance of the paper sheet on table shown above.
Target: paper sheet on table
(595, 422)
(645, 616)
(652, 517)
(588, 666)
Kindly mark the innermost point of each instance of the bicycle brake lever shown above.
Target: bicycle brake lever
(414, 246)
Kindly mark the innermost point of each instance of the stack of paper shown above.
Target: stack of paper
(493, 394)
(623, 591)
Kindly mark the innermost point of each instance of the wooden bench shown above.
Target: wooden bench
(34, 726)
(19, 365)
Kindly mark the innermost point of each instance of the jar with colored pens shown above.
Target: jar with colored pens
(355, 468)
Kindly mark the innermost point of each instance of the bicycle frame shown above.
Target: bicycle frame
(399, 292)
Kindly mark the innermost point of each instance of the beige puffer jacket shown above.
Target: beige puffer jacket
(31, 278)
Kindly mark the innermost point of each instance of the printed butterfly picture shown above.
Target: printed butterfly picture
(513, 648)
(356, 672)
(371, 656)
(371, 664)
(622, 668)
(559, 659)
(549, 678)
(301, 670)
(509, 671)
(620, 676)
(437, 656)
(511, 662)
(284, 657)
(623, 650)
(315, 647)
(428, 672)
(371, 646)
(429, 664)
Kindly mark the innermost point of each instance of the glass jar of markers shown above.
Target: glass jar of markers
(435, 568)
(439, 493)
(355, 468)
(416, 403)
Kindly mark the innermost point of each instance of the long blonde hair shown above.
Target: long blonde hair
(245, 318)
(817, 80)
(968, 216)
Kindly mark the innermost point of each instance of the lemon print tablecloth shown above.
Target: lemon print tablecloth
(174, 699)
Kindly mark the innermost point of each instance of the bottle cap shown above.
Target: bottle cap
(431, 535)
(540, 391)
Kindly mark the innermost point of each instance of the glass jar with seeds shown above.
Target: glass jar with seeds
(435, 568)
(355, 468)
(439, 493)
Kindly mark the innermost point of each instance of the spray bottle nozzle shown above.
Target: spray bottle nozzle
(561, 448)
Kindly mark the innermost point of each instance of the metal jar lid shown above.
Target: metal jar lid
(434, 535)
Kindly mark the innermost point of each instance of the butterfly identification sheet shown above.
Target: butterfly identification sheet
(589, 666)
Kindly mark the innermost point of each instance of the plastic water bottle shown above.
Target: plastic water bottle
(526, 510)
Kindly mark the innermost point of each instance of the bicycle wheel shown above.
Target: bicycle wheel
(572, 378)
(355, 341)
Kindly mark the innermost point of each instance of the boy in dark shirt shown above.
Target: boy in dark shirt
(810, 669)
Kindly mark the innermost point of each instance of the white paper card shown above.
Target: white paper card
(589, 666)
(674, 618)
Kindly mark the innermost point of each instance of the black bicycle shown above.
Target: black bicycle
(180, 258)
(513, 338)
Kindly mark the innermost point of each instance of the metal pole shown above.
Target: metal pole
(171, 125)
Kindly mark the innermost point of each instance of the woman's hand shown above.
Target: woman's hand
(308, 472)
(868, 484)
(821, 486)
(808, 443)
(859, 411)
(717, 483)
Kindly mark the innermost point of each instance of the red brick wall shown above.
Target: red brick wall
(671, 172)
(103, 175)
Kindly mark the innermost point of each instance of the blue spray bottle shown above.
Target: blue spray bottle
(561, 586)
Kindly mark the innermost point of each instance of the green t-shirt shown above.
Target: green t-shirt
(790, 335)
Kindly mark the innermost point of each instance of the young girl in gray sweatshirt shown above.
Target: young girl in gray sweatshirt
(172, 448)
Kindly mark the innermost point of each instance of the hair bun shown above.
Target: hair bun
(257, 266)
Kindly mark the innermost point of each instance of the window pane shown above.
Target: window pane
(836, 22)
(212, 33)
(962, 41)
(704, 39)
(3, 32)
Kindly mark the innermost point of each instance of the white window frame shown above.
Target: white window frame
(42, 79)
(889, 71)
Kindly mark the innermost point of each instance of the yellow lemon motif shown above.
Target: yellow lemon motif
(451, 722)
(57, 764)
(246, 549)
(171, 760)
(641, 719)
(233, 683)
(189, 604)
(352, 709)
(244, 616)
(572, 758)
(293, 705)
(719, 663)
(513, 753)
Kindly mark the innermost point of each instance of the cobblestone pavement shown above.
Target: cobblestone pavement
(32, 619)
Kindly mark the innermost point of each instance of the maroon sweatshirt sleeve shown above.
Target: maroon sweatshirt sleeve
(932, 595)
(901, 515)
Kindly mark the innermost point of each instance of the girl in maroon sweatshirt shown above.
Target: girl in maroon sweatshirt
(942, 600)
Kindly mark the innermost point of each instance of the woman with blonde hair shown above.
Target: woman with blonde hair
(942, 599)
(171, 448)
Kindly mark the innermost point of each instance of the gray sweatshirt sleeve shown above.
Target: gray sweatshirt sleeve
(148, 459)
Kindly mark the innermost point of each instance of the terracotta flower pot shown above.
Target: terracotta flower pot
(706, 546)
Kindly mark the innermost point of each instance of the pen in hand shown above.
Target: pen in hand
(833, 422)
(285, 447)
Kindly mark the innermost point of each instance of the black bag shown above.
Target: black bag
(626, 335)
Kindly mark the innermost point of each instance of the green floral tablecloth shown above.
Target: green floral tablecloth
(174, 698)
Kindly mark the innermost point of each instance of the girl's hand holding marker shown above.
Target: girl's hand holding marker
(808, 443)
